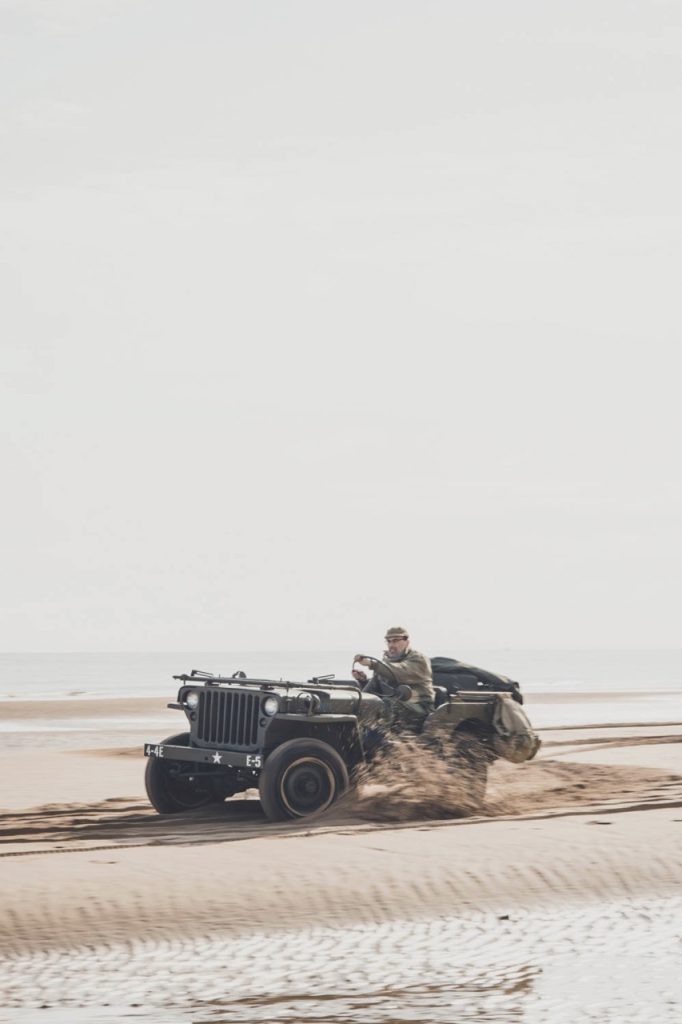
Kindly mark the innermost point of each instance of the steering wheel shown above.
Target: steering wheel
(400, 691)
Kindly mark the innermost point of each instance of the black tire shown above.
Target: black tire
(471, 761)
(302, 777)
(169, 788)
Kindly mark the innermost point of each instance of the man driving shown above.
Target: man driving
(404, 676)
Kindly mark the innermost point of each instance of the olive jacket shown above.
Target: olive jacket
(411, 669)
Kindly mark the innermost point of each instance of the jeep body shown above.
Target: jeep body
(298, 743)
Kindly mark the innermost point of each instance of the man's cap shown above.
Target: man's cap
(396, 633)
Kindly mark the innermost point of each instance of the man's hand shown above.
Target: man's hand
(363, 660)
(360, 677)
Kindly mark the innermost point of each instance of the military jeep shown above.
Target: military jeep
(301, 744)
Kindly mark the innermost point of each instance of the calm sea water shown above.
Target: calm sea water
(648, 683)
(40, 676)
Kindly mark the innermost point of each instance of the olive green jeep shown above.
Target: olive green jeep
(301, 744)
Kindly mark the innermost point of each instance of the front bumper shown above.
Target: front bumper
(204, 755)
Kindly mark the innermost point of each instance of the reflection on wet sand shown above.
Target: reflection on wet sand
(615, 961)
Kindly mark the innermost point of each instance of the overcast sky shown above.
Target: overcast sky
(322, 317)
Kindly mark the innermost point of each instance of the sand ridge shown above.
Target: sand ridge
(117, 870)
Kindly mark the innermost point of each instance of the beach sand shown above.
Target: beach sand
(103, 900)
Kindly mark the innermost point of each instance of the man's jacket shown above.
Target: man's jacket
(410, 669)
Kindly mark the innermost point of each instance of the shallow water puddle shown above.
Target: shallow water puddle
(612, 962)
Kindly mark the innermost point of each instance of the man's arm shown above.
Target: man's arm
(414, 669)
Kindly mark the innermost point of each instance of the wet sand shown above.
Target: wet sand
(100, 895)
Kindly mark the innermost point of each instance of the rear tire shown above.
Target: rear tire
(303, 776)
(168, 786)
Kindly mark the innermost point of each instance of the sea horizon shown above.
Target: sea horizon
(80, 674)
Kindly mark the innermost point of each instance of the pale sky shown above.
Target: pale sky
(318, 318)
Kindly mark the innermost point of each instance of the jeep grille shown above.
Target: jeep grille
(228, 718)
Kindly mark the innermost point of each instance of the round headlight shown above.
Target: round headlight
(192, 700)
(270, 706)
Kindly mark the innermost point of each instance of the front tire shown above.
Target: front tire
(302, 777)
(169, 786)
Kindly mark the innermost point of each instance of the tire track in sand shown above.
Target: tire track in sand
(536, 790)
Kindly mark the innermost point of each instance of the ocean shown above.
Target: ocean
(562, 688)
(149, 674)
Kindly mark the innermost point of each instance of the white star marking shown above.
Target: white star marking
(217, 758)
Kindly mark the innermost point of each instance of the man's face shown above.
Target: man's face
(395, 645)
